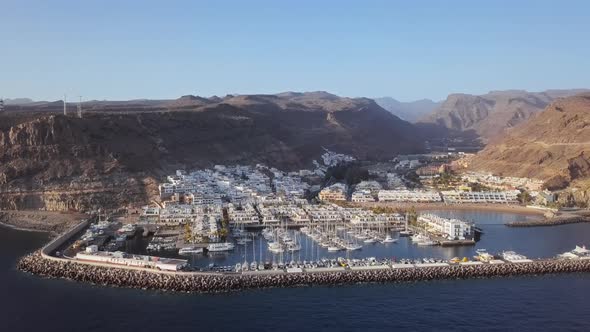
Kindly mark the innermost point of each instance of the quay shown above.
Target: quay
(45, 263)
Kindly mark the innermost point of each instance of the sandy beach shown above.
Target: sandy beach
(39, 221)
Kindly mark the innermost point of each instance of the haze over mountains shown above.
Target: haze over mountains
(409, 111)
(490, 114)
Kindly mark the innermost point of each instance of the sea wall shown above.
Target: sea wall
(49, 248)
(203, 282)
(556, 221)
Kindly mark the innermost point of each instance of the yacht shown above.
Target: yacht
(405, 233)
(581, 251)
(333, 248)
(352, 247)
(190, 251)
(222, 246)
(389, 239)
(577, 253)
(369, 240)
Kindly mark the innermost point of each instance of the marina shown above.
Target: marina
(250, 266)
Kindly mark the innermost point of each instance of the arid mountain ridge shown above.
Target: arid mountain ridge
(114, 155)
(553, 145)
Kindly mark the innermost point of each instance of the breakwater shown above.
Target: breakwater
(211, 283)
(556, 221)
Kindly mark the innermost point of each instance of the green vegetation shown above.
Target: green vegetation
(524, 197)
(386, 209)
(476, 186)
(412, 216)
(445, 180)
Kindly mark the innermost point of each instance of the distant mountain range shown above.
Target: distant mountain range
(409, 111)
(17, 101)
(490, 114)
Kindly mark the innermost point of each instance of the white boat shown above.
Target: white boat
(333, 248)
(581, 251)
(222, 246)
(405, 233)
(190, 251)
(512, 256)
(275, 247)
(352, 247)
(389, 239)
(577, 253)
(370, 240)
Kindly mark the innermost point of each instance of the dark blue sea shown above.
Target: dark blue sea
(547, 303)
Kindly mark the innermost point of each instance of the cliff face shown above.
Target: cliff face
(491, 114)
(554, 145)
(111, 159)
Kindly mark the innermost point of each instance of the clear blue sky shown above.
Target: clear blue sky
(404, 49)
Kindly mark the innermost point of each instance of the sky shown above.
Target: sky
(409, 50)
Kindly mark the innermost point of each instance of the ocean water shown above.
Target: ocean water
(545, 303)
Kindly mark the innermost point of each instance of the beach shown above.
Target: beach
(40, 221)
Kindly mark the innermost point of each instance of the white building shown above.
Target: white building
(335, 192)
(362, 196)
(450, 228)
(415, 196)
(494, 197)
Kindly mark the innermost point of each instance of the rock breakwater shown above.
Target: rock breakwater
(556, 221)
(213, 283)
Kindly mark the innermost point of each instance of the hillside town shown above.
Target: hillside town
(210, 206)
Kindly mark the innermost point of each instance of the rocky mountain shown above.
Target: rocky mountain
(554, 145)
(114, 155)
(491, 114)
(409, 111)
